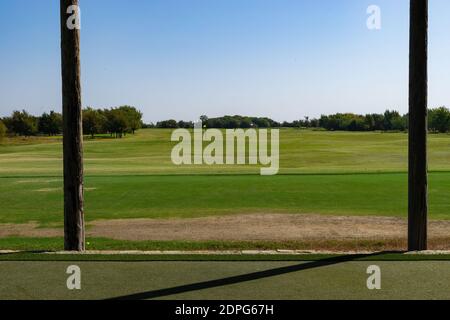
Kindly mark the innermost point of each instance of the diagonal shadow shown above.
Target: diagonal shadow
(23, 252)
(244, 278)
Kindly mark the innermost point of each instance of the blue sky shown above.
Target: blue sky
(183, 58)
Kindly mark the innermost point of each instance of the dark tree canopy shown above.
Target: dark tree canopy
(22, 123)
(439, 120)
(93, 122)
(50, 123)
(3, 130)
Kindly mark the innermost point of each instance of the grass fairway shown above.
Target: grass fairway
(148, 152)
(122, 197)
(321, 172)
(332, 173)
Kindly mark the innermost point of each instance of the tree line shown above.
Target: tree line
(114, 121)
(390, 120)
(225, 122)
(126, 119)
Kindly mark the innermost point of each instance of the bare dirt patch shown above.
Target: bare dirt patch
(294, 231)
(28, 230)
(261, 227)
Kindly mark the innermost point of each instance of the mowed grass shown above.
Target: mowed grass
(121, 197)
(148, 152)
(338, 173)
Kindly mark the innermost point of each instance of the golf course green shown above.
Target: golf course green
(330, 173)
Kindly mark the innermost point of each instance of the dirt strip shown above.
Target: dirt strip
(261, 227)
(249, 227)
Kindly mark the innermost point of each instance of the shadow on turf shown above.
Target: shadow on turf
(21, 252)
(245, 277)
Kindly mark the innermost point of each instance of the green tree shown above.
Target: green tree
(167, 124)
(394, 121)
(261, 122)
(93, 122)
(185, 124)
(50, 124)
(23, 124)
(439, 120)
(3, 130)
(117, 122)
(246, 123)
(134, 118)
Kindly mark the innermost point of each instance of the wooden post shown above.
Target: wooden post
(74, 238)
(418, 90)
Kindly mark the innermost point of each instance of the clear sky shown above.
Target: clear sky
(183, 58)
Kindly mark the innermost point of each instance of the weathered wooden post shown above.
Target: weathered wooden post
(418, 91)
(74, 238)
